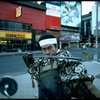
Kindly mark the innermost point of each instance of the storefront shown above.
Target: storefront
(15, 41)
(15, 36)
(69, 38)
(18, 20)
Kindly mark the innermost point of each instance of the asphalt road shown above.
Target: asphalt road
(12, 63)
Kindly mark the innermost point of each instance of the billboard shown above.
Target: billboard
(71, 13)
(53, 8)
(53, 17)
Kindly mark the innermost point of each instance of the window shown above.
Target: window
(27, 27)
(1, 24)
(15, 26)
(5, 25)
(18, 26)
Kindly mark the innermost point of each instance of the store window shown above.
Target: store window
(15, 36)
(15, 26)
(1, 24)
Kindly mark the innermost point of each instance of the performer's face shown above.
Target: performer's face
(49, 49)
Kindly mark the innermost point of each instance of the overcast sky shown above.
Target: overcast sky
(87, 6)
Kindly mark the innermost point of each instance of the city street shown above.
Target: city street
(25, 89)
(22, 23)
(15, 64)
(16, 68)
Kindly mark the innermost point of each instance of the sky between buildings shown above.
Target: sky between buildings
(87, 6)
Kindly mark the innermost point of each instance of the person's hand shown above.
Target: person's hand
(28, 59)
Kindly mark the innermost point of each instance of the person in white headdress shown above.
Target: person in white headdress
(57, 77)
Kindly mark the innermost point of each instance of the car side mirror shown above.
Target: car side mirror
(8, 86)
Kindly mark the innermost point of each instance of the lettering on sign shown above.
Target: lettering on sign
(16, 35)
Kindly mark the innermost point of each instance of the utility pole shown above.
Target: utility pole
(96, 37)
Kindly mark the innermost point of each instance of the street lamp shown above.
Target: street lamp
(39, 2)
(96, 37)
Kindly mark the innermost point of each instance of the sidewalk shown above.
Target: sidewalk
(93, 67)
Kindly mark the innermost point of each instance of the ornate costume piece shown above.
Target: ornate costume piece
(69, 69)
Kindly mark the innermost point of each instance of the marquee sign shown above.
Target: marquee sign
(13, 34)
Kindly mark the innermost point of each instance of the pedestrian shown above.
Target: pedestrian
(57, 77)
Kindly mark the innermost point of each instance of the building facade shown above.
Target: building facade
(70, 24)
(19, 24)
(23, 22)
(86, 31)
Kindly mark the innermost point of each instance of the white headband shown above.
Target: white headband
(48, 41)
